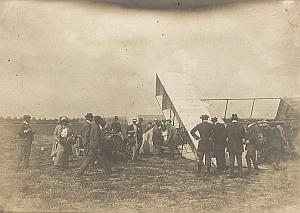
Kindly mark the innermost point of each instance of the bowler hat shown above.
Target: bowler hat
(89, 115)
(234, 117)
(204, 117)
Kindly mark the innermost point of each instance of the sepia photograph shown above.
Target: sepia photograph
(150, 106)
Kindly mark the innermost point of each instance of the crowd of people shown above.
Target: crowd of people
(264, 142)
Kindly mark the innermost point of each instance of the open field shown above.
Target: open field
(151, 184)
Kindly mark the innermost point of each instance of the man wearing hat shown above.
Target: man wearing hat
(86, 130)
(116, 126)
(235, 134)
(219, 142)
(95, 150)
(205, 146)
(26, 138)
(132, 137)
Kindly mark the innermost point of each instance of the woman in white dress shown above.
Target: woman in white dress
(62, 146)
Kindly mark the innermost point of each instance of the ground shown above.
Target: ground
(151, 184)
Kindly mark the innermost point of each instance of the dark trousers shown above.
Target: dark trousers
(208, 156)
(251, 156)
(24, 153)
(238, 157)
(220, 158)
(91, 156)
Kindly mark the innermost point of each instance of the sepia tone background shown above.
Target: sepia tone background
(73, 57)
(70, 57)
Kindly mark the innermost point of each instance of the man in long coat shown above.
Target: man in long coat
(235, 133)
(85, 132)
(95, 150)
(219, 141)
(26, 137)
(205, 145)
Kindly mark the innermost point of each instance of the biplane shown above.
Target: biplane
(179, 100)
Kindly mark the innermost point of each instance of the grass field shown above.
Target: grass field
(151, 184)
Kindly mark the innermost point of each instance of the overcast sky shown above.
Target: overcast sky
(69, 58)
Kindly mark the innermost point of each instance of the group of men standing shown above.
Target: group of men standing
(214, 137)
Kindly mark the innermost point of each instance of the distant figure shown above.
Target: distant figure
(56, 138)
(116, 126)
(205, 145)
(275, 144)
(252, 142)
(95, 150)
(219, 142)
(235, 133)
(85, 132)
(265, 129)
(139, 134)
(63, 140)
(132, 138)
(284, 142)
(171, 138)
(157, 138)
(26, 136)
(163, 126)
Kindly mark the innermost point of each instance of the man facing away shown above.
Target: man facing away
(95, 147)
(235, 134)
(219, 141)
(86, 130)
(205, 146)
(26, 137)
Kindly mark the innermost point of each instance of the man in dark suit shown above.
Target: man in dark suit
(26, 137)
(95, 150)
(219, 142)
(205, 146)
(86, 130)
(116, 126)
(235, 134)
